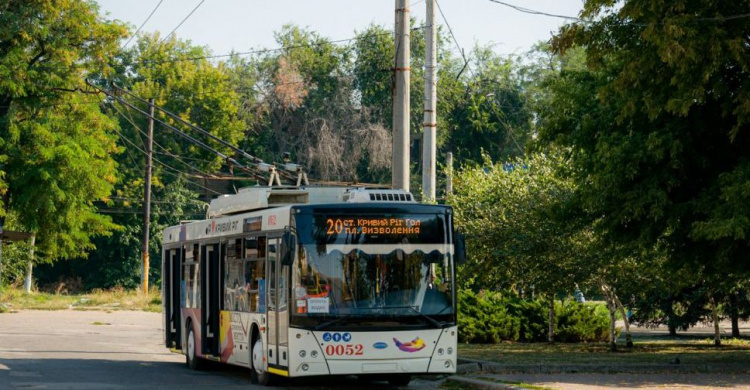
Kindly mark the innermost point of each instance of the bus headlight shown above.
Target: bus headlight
(314, 354)
(305, 367)
(450, 351)
(440, 351)
(302, 353)
(447, 364)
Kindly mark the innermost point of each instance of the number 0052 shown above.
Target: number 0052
(347, 349)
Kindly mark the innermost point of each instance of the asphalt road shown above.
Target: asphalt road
(117, 350)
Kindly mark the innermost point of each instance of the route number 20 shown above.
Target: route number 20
(347, 349)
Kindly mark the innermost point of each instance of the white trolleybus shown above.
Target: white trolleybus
(311, 281)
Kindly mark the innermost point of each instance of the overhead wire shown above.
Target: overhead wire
(142, 24)
(183, 21)
(139, 130)
(461, 50)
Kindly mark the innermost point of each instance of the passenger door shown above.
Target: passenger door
(211, 299)
(278, 312)
(171, 295)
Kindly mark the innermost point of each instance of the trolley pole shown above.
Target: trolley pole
(400, 162)
(429, 148)
(147, 198)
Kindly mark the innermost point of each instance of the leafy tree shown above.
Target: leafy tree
(658, 127)
(510, 213)
(55, 145)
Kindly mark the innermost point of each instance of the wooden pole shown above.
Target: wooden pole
(147, 198)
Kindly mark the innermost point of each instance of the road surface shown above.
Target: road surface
(116, 350)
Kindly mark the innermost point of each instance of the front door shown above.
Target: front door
(278, 312)
(211, 298)
(171, 291)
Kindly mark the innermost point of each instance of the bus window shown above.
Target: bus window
(233, 277)
(191, 279)
(255, 247)
(254, 275)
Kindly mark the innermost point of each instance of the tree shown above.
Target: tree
(511, 217)
(658, 126)
(55, 145)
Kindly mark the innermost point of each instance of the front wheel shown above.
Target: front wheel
(258, 374)
(191, 359)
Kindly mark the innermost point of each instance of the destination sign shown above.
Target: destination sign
(372, 226)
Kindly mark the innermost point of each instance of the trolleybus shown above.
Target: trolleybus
(313, 281)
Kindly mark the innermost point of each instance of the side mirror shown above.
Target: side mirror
(289, 245)
(459, 248)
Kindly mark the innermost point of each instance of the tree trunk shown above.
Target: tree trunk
(735, 315)
(610, 298)
(551, 332)
(626, 320)
(670, 320)
(612, 333)
(30, 266)
(715, 314)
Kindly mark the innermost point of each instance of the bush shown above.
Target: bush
(483, 318)
(494, 317)
(580, 323)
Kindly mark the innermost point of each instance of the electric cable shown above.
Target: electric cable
(142, 24)
(183, 21)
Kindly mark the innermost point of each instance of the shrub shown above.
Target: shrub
(494, 317)
(580, 323)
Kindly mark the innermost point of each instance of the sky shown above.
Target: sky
(243, 25)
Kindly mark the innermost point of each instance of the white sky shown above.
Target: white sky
(244, 25)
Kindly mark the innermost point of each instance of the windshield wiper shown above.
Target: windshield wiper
(434, 322)
(331, 322)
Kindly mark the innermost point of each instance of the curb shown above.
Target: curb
(480, 384)
(473, 365)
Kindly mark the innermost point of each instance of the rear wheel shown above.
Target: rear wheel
(399, 380)
(258, 374)
(191, 357)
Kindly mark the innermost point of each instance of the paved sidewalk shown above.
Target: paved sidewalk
(616, 381)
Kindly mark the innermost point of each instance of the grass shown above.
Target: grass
(520, 385)
(114, 299)
(689, 351)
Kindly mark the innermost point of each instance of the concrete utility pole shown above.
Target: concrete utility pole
(429, 148)
(400, 162)
(30, 266)
(147, 197)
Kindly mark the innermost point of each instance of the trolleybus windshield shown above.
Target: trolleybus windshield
(373, 270)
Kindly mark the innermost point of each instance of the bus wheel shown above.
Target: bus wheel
(192, 361)
(399, 380)
(257, 374)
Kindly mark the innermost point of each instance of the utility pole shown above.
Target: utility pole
(429, 148)
(147, 197)
(400, 162)
(30, 266)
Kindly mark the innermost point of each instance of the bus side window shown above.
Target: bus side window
(254, 275)
(233, 278)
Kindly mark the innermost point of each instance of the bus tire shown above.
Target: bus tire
(258, 375)
(191, 358)
(399, 380)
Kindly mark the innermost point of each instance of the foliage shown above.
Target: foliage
(489, 318)
(55, 145)
(510, 215)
